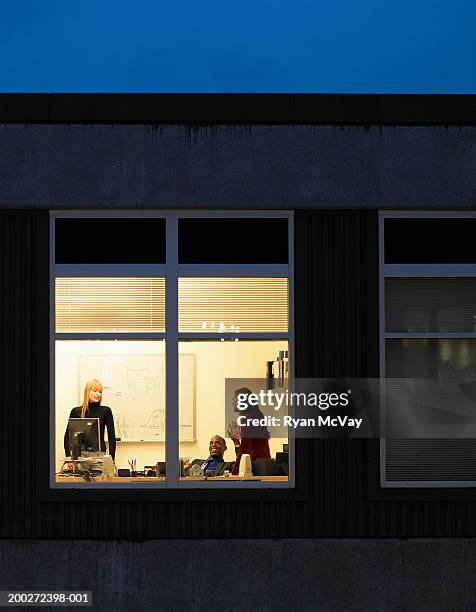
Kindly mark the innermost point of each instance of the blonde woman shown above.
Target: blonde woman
(93, 409)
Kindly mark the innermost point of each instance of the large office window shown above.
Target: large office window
(428, 308)
(152, 314)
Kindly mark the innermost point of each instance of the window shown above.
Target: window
(162, 309)
(428, 315)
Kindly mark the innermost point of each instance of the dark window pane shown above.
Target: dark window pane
(110, 241)
(443, 359)
(429, 241)
(233, 241)
(434, 460)
(430, 305)
(445, 362)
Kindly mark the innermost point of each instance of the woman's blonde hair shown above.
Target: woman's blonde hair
(91, 384)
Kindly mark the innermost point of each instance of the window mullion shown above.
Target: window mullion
(171, 351)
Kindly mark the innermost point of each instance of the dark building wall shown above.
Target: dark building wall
(233, 166)
(336, 334)
(273, 575)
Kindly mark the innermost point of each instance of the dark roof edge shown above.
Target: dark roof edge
(339, 109)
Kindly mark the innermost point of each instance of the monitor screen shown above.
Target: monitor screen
(83, 436)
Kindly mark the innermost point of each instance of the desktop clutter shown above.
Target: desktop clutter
(89, 467)
(84, 444)
(102, 466)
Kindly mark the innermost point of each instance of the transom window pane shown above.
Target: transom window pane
(233, 305)
(110, 240)
(233, 241)
(430, 240)
(110, 305)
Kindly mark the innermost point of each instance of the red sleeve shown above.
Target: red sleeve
(256, 448)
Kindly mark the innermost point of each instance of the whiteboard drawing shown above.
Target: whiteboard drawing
(134, 388)
(156, 421)
(123, 426)
(144, 383)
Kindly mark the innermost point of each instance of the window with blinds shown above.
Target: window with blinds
(441, 364)
(110, 305)
(233, 305)
(118, 301)
(430, 341)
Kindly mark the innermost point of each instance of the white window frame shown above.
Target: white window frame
(171, 271)
(416, 271)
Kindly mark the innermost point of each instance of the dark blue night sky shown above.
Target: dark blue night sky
(409, 46)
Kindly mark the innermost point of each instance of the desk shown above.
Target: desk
(114, 479)
(225, 478)
(60, 479)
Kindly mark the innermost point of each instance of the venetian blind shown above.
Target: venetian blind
(233, 305)
(430, 304)
(110, 304)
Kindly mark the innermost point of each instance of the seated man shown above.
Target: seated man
(215, 465)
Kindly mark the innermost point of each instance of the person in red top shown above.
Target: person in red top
(252, 441)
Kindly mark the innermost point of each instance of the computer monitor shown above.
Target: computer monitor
(83, 436)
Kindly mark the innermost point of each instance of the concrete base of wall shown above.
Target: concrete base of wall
(243, 575)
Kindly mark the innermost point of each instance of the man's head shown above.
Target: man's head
(217, 447)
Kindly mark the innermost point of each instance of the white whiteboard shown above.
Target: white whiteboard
(134, 388)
